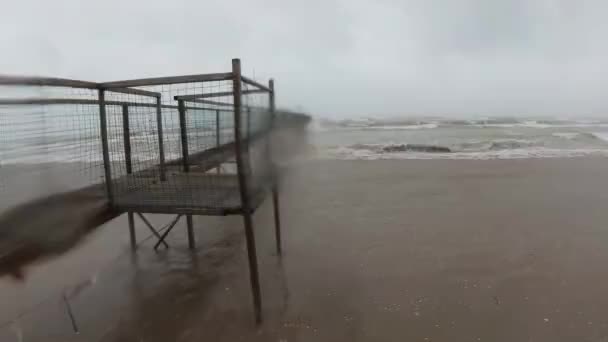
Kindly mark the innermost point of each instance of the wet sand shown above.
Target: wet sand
(437, 250)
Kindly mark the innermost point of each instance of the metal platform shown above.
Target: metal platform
(157, 144)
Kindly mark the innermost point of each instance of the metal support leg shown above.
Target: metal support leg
(190, 226)
(132, 230)
(277, 219)
(168, 227)
(149, 225)
(253, 267)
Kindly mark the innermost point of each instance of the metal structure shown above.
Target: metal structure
(183, 145)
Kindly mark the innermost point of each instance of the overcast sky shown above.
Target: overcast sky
(336, 58)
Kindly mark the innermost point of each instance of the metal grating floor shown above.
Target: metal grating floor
(185, 193)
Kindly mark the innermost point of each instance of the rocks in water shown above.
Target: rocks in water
(416, 148)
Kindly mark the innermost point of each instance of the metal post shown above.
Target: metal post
(190, 228)
(246, 149)
(128, 163)
(248, 124)
(243, 189)
(275, 180)
(186, 163)
(184, 134)
(126, 137)
(132, 230)
(104, 146)
(217, 135)
(161, 148)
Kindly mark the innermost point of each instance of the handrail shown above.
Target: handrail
(167, 80)
(63, 101)
(217, 94)
(255, 84)
(69, 83)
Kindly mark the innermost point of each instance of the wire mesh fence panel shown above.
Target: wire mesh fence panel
(197, 141)
(160, 148)
(47, 143)
(257, 125)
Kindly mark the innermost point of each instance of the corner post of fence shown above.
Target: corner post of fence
(161, 148)
(103, 124)
(274, 176)
(126, 134)
(181, 107)
(243, 190)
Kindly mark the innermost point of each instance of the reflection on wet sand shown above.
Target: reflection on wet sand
(382, 251)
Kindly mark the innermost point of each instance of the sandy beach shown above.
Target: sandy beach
(386, 250)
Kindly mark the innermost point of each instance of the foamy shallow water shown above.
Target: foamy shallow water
(345, 153)
(473, 140)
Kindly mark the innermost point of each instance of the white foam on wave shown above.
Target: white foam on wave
(601, 135)
(403, 127)
(566, 135)
(345, 153)
(539, 125)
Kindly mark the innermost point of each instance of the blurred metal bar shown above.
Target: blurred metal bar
(190, 229)
(128, 164)
(46, 101)
(107, 167)
(133, 91)
(275, 181)
(132, 236)
(151, 227)
(183, 135)
(167, 80)
(46, 81)
(62, 101)
(64, 82)
(244, 193)
(217, 136)
(161, 148)
(168, 228)
(218, 94)
(126, 131)
(210, 102)
(255, 84)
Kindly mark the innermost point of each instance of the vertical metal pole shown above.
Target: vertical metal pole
(184, 134)
(132, 230)
(246, 148)
(190, 228)
(217, 135)
(107, 167)
(181, 107)
(161, 147)
(243, 189)
(127, 137)
(127, 142)
(274, 175)
(248, 124)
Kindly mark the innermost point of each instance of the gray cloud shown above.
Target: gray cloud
(336, 57)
